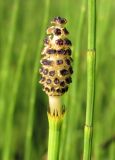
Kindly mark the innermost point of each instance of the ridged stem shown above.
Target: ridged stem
(90, 105)
(55, 117)
(90, 80)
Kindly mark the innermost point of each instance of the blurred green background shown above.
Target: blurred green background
(23, 104)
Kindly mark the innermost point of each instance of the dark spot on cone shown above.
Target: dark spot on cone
(61, 51)
(42, 79)
(46, 62)
(45, 71)
(53, 89)
(67, 61)
(65, 31)
(68, 51)
(67, 42)
(41, 69)
(58, 90)
(59, 42)
(57, 31)
(52, 73)
(59, 61)
(51, 51)
(47, 89)
(62, 83)
(64, 72)
(59, 20)
(68, 80)
(71, 70)
(48, 81)
(56, 81)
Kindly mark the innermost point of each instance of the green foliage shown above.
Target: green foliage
(23, 104)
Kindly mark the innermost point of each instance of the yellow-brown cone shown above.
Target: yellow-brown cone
(56, 59)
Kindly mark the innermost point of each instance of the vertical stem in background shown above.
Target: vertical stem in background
(74, 110)
(90, 79)
(104, 14)
(27, 154)
(6, 58)
(91, 24)
(11, 107)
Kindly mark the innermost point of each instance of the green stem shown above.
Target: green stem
(54, 137)
(73, 110)
(90, 79)
(91, 24)
(55, 117)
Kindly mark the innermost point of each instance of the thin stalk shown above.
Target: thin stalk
(90, 79)
(29, 129)
(9, 123)
(55, 117)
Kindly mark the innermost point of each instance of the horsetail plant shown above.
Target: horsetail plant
(91, 58)
(56, 73)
